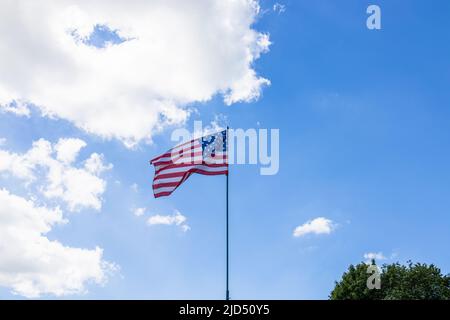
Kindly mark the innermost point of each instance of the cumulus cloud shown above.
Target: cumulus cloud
(171, 54)
(51, 168)
(31, 264)
(317, 226)
(67, 149)
(176, 219)
(95, 164)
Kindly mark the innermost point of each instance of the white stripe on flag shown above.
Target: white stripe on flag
(168, 180)
(164, 189)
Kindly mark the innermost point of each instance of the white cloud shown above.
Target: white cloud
(246, 89)
(31, 264)
(50, 167)
(167, 220)
(278, 7)
(138, 212)
(185, 228)
(134, 187)
(176, 219)
(317, 226)
(219, 123)
(2, 141)
(177, 53)
(67, 149)
(19, 109)
(374, 256)
(95, 164)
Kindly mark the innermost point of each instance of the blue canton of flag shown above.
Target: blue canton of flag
(214, 147)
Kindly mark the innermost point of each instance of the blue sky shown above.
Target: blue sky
(364, 135)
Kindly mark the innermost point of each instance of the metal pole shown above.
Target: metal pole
(228, 291)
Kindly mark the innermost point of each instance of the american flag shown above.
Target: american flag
(207, 155)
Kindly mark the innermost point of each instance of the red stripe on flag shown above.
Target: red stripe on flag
(176, 185)
(184, 165)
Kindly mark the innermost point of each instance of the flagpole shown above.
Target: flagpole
(227, 277)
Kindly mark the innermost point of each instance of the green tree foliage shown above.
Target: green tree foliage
(398, 282)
